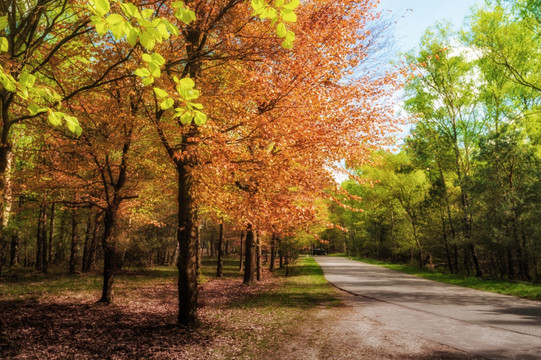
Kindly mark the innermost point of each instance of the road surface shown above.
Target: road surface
(489, 325)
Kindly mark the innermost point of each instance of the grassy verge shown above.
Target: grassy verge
(278, 313)
(524, 290)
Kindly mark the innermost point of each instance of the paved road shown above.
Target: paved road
(485, 324)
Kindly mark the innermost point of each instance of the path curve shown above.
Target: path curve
(490, 325)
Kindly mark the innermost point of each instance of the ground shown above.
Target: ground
(298, 317)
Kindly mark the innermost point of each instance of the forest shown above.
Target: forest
(147, 133)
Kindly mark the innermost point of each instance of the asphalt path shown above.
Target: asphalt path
(484, 324)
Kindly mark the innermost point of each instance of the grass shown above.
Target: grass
(25, 282)
(526, 290)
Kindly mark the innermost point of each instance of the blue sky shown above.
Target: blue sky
(412, 24)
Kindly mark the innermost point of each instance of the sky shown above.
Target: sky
(411, 25)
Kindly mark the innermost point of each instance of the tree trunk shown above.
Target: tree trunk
(6, 161)
(41, 240)
(220, 263)
(74, 240)
(88, 239)
(198, 253)
(272, 253)
(93, 244)
(258, 244)
(249, 264)
(14, 258)
(212, 244)
(240, 252)
(187, 240)
(51, 234)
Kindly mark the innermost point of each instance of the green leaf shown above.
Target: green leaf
(147, 13)
(147, 81)
(147, 40)
(4, 44)
(147, 58)
(287, 44)
(178, 4)
(279, 3)
(33, 108)
(118, 30)
(7, 81)
(186, 118)
(114, 19)
(3, 22)
(200, 118)
(197, 105)
(160, 92)
(185, 15)
(27, 79)
(162, 29)
(281, 30)
(191, 95)
(167, 103)
(133, 35)
(187, 83)
(290, 36)
(171, 28)
(158, 59)
(100, 24)
(154, 69)
(102, 7)
(292, 5)
(271, 13)
(258, 6)
(54, 118)
(130, 10)
(155, 34)
(78, 130)
(142, 72)
(288, 15)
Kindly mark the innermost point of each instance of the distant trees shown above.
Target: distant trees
(467, 180)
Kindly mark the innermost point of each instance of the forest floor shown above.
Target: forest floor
(296, 317)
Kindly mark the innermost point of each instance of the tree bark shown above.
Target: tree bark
(51, 234)
(249, 264)
(272, 253)
(41, 241)
(74, 244)
(258, 262)
(220, 262)
(14, 256)
(93, 244)
(88, 239)
(187, 240)
(240, 252)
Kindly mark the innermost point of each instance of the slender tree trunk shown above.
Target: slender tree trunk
(258, 262)
(14, 258)
(198, 253)
(212, 244)
(51, 234)
(41, 240)
(74, 242)
(272, 253)
(249, 268)
(220, 262)
(187, 240)
(93, 243)
(6, 161)
(87, 244)
(240, 252)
